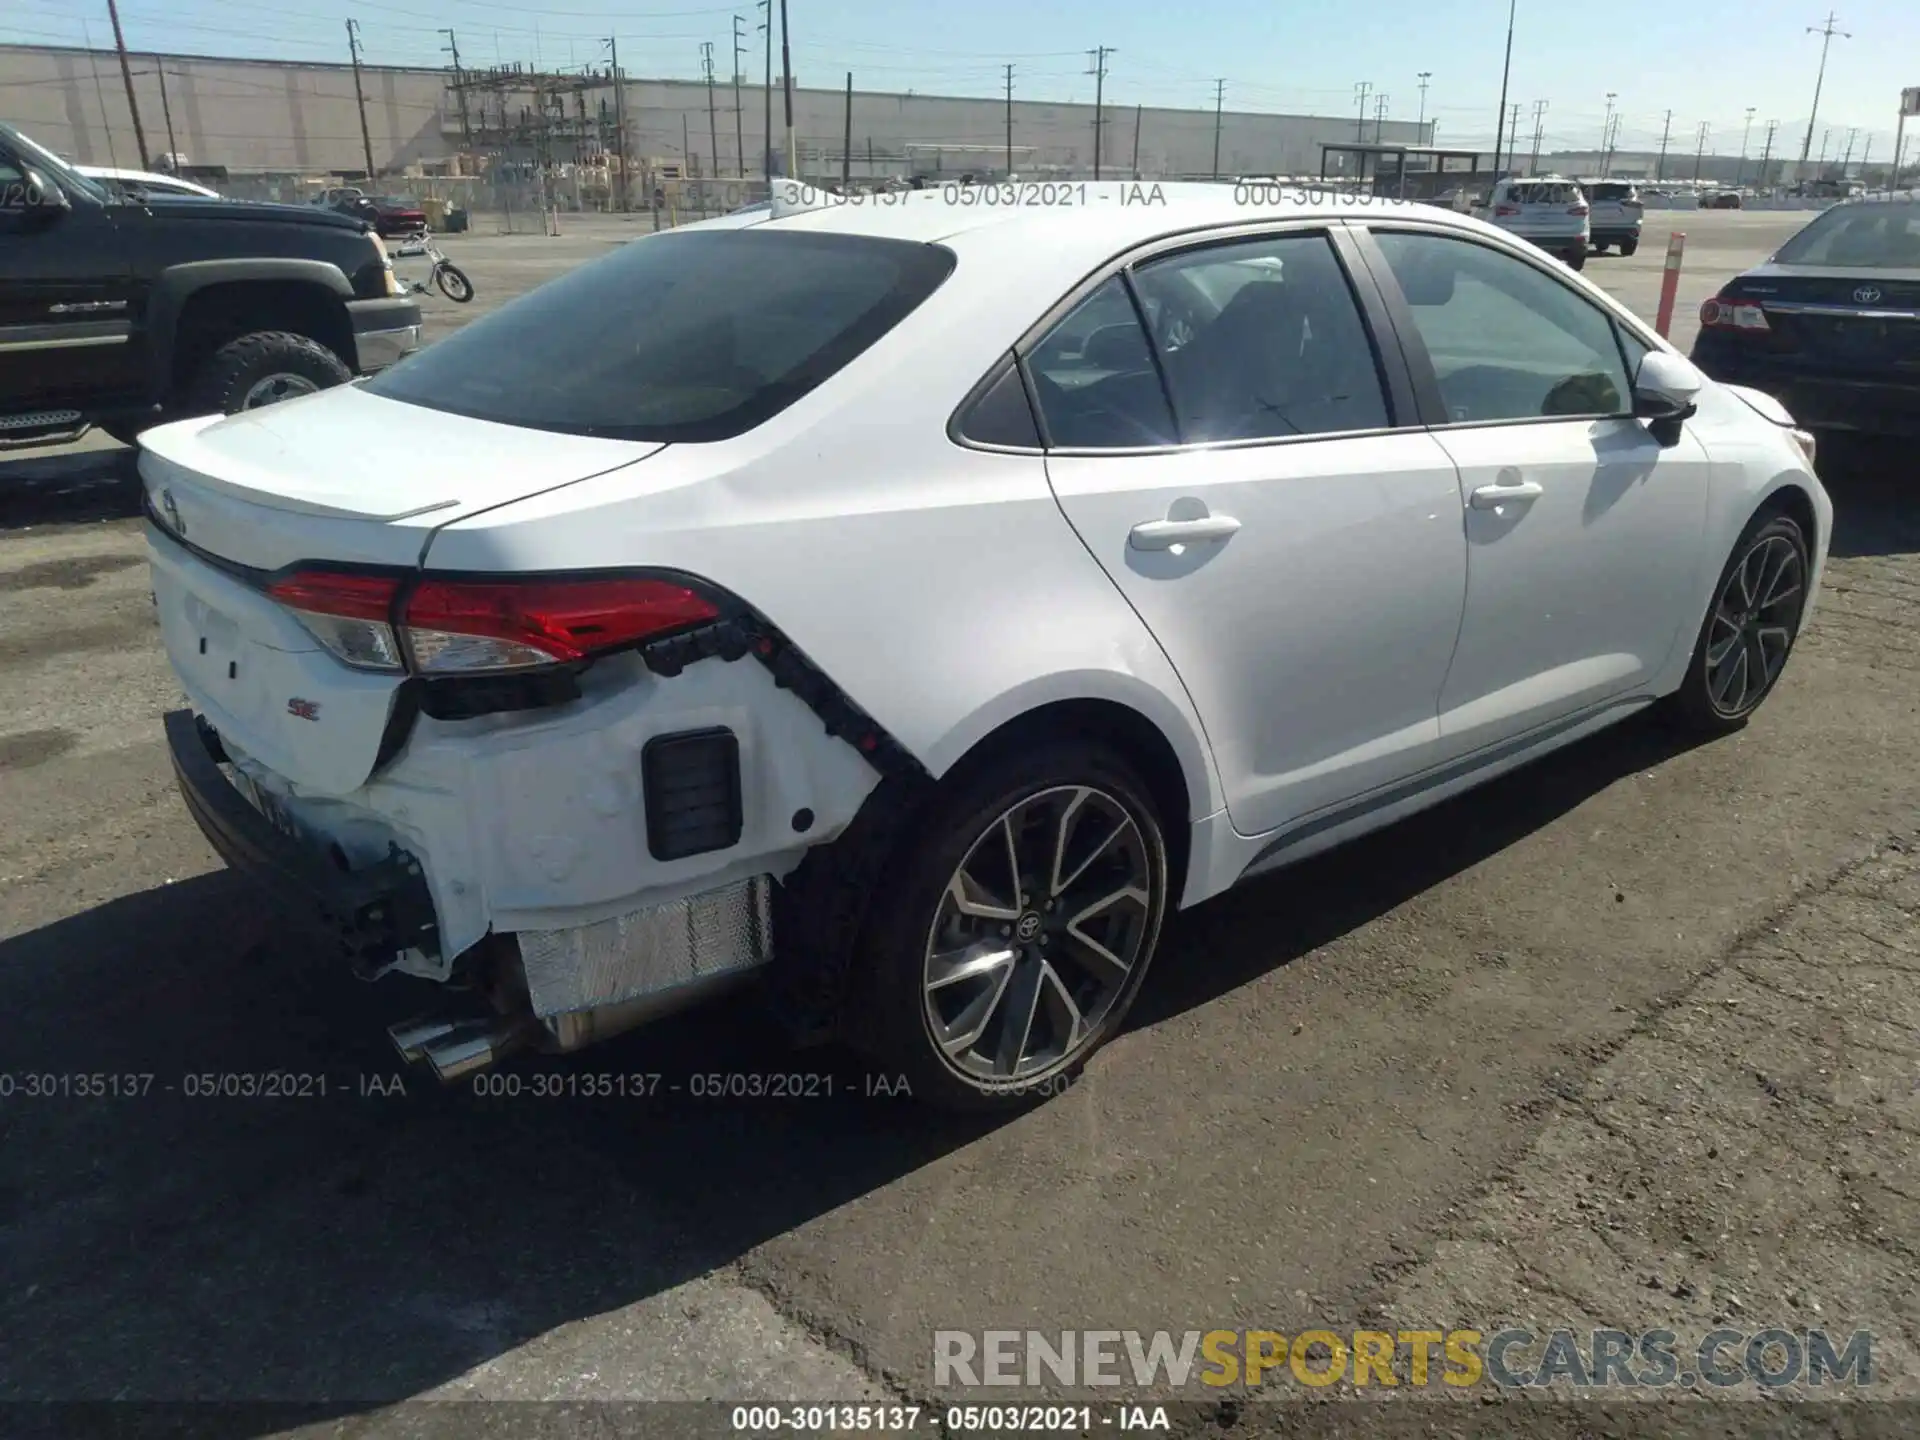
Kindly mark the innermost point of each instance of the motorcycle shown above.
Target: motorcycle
(449, 277)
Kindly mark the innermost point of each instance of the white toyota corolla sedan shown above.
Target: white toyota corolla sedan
(905, 601)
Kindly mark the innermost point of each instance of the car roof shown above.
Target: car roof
(1113, 216)
(145, 177)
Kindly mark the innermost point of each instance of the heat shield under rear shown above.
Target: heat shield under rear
(649, 952)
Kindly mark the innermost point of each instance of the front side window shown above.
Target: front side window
(1277, 348)
(1507, 341)
(682, 337)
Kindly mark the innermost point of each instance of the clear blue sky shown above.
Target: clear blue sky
(1707, 60)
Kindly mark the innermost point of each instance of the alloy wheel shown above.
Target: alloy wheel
(271, 389)
(1037, 934)
(1754, 622)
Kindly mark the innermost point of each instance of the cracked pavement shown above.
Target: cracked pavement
(1626, 1039)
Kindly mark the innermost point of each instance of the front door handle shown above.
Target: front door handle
(1165, 534)
(1492, 497)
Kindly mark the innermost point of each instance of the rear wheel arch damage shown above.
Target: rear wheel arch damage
(823, 908)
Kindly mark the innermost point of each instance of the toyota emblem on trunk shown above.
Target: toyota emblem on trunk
(174, 521)
(1867, 294)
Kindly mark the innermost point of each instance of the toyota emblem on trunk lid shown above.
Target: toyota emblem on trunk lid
(1867, 294)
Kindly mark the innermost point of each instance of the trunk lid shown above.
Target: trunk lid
(1849, 320)
(348, 476)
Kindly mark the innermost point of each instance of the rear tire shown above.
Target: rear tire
(1627, 247)
(981, 978)
(262, 368)
(1577, 259)
(1599, 249)
(1749, 631)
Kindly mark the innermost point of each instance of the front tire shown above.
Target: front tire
(1008, 943)
(263, 369)
(453, 282)
(1750, 628)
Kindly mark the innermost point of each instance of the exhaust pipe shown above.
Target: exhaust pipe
(455, 1049)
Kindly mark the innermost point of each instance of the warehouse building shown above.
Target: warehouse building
(257, 116)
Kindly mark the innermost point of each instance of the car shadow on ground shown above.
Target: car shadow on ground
(360, 1246)
(67, 486)
(1875, 487)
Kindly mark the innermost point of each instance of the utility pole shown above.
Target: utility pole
(166, 113)
(452, 47)
(1099, 73)
(1746, 134)
(1539, 125)
(1613, 142)
(1009, 117)
(1513, 135)
(1766, 153)
(766, 94)
(1846, 160)
(126, 74)
(846, 143)
(1139, 110)
(1506, 70)
(713, 116)
(1099, 98)
(1219, 105)
(1866, 154)
(1606, 133)
(786, 85)
(1666, 132)
(1360, 93)
(1826, 33)
(620, 125)
(1700, 152)
(1424, 77)
(1380, 118)
(739, 135)
(359, 92)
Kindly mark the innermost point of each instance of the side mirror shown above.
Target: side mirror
(1666, 393)
(45, 201)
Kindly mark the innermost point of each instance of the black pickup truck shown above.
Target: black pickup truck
(125, 312)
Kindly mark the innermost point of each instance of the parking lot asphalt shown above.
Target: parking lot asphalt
(1628, 1038)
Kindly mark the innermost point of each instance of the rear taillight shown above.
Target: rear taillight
(350, 614)
(1576, 209)
(1721, 313)
(458, 627)
(1506, 209)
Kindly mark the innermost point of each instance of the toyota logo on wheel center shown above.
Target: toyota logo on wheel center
(1028, 926)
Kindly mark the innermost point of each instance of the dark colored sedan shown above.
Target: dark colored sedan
(1830, 325)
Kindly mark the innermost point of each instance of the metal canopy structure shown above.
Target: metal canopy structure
(1405, 171)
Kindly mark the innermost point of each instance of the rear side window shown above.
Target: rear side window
(1095, 381)
(676, 338)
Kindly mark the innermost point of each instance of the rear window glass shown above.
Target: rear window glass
(1879, 235)
(675, 338)
(1545, 194)
(1612, 192)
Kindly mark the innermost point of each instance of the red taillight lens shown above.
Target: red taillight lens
(1576, 210)
(1506, 209)
(467, 627)
(464, 626)
(1720, 313)
(345, 612)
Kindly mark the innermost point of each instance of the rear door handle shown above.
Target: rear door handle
(1165, 534)
(1492, 497)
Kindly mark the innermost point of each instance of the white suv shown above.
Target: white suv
(1549, 210)
(1617, 210)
